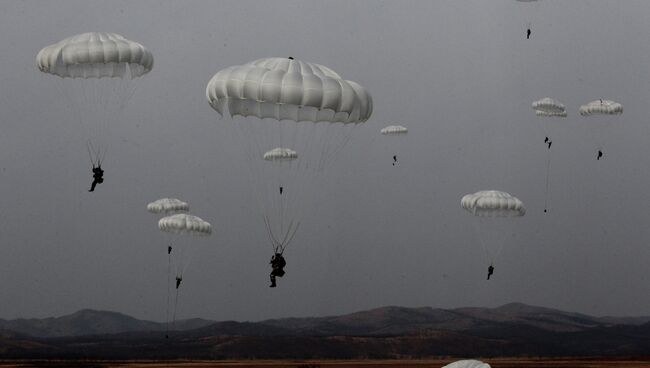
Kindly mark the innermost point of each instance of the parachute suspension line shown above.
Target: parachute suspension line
(175, 308)
(486, 252)
(274, 243)
(91, 152)
(498, 252)
(188, 259)
(169, 272)
(288, 237)
(280, 246)
(548, 170)
(342, 143)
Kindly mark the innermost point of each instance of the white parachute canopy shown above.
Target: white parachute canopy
(394, 130)
(493, 203)
(284, 88)
(601, 107)
(168, 206)
(467, 364)
(493, 210)
(549, 107)
(95, 55)
(281, 154)
(185, 224)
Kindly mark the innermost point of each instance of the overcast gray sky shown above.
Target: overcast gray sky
(460, 74)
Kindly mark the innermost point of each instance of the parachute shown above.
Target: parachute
(601, 107)
(186, 226)
(292, 118)
(468, 363)
(493, 210)
(95, 70)
(603, 112)
(284, 88)
(167, 206)
(548, 108)
(95, 55)
(493, 203)
(281, 154)
(395, 130)
(529, 22)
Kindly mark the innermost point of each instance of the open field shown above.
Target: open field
(497, 363)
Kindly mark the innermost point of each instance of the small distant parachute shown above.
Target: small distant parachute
(468, 363)
(168, 206)
(394, 130)
(493, 211)
(549, 107)
(607, 110)
(281, 154)
(185, 224)
(601, 107)
(493, 203)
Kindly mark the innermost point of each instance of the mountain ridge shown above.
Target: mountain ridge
(391, 332)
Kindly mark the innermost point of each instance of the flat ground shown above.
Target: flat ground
(496, 363)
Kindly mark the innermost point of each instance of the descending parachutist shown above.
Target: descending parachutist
(490, 271)
(599, 155)
(98, 176)
(169, 249)
(528, 34)
(277, 265)
(179, 279)
(281, 189)
(548, 142)
(394, 159)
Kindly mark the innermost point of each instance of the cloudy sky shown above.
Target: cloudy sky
(460, 74)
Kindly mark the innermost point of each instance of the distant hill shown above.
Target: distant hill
(91, 322)
(390, 321)
(383, 333)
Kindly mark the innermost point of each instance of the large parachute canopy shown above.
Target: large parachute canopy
(285, 88)
(168, 206)
(549, 107)
(493, 203)
(185, 224)
(601, 107)
(467, 364)
(95, 55)
(394, 130)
